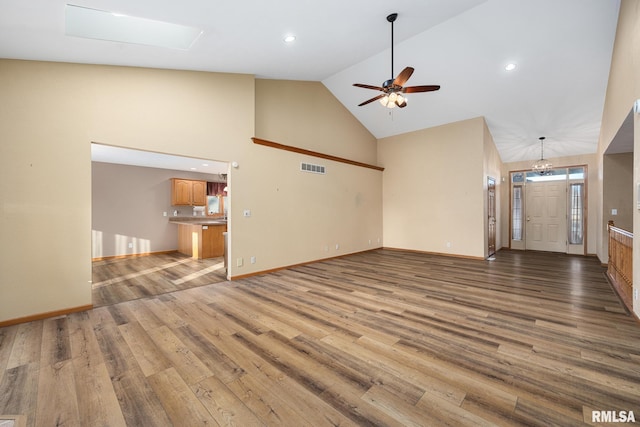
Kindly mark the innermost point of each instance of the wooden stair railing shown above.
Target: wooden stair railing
(619, 266)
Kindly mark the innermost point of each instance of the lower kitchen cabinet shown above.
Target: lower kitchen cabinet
(201, 241)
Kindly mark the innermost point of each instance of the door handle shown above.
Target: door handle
(528, 219)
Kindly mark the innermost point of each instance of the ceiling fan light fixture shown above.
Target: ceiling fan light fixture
(393, 88)
(393, 100)
(386, 102)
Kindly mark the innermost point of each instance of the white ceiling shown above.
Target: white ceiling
(562, 49)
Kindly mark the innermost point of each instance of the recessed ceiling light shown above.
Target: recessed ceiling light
(116, 27)
(289, 39)
(510, 66)
(192, 169)
(205, 164)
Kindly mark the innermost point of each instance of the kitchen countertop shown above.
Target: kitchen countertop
(197, 220)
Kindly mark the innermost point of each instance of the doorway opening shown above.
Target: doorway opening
(491, 218)
(134, 217)
(549, 212)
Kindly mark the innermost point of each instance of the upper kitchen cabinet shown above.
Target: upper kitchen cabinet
(188, 192)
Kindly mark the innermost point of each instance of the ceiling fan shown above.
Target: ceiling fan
(393, 89)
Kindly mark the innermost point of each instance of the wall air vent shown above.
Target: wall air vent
(308, 167)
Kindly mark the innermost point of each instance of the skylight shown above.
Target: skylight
(109, 26)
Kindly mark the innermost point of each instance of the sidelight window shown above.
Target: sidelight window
(576, 213)
(516, 213)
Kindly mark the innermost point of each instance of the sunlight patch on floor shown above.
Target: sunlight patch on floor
(138, 274)
(197, 274)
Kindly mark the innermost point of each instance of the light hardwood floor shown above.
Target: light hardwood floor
(383, 338)
(125, 279)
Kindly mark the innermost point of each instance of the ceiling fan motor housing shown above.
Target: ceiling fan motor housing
(389, 86)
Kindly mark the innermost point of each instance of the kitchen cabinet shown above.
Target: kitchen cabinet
(201, 240)
(188, 192)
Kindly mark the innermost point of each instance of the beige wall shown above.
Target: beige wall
(304, 216)
(493, 169)
(51, 112)
(636, 213)
(433, 189)
(127, 207)
(622, 91)
(618, 190)
(306, 115)
(591, 161)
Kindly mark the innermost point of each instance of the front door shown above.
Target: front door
(546, 221)
(491, 211)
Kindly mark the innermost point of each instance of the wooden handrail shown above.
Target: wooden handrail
(620, 264)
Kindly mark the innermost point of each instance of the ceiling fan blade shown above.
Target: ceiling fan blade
(368, 86)
(403, 76)
(415, 89)
(375, 98)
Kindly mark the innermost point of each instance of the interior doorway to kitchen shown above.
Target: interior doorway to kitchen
(548, 212)
(134, 234)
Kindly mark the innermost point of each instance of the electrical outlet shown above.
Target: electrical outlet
(130, 245)
(253, 260)
(337, 246)
(448, 244)
(246, 213)
(239, 262)
(635, 294)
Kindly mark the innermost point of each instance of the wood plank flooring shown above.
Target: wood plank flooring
(383, 338)
(125, 279)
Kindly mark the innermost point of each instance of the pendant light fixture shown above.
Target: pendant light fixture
(542, 166)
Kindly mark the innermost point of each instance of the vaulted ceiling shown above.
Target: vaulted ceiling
(561, 48)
